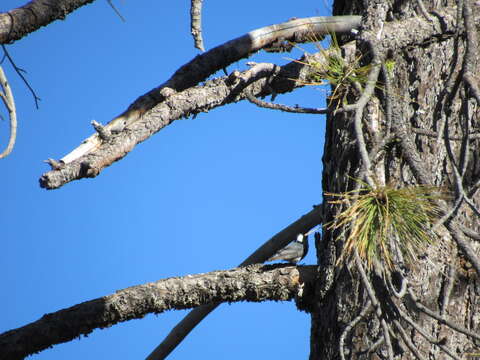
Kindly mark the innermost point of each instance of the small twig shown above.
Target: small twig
(7, 97)
(469, 232)
(441, 319)
(116, 11)
(19, 72)
(449, 214)
(403, 287)
(423, 10)
(366, 309)
(358, 107)
(374, 346)
(286, 108)
(375, 303)
(464, 246)
(471, 51)
(447, 291)
(434, 134)
(102, 131)
(196, 23)
(426, 336)
(407, 341)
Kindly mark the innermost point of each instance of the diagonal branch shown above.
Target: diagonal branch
(254, 283)
(194, 317)
(17, 23)
(91, 157)
(206, 64)
(160, 106)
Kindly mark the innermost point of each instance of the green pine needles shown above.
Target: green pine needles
(382, 217)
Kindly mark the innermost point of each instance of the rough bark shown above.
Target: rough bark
(17, 23)
(425, 92)
(253, 283)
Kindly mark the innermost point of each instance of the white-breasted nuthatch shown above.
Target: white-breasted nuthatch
(293, 252)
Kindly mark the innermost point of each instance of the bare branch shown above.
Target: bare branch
(116, 10)
(375, 304)
(17, 23)
(91, 157)
(434, 134)
(78, 164)
(426, 336)
(194, 317)
(196, 23)
(254, 283)
(296, 109)
(20, 73)
(407, 340)
(7, 98)
(206, 64)
(441, 319)
(365, 311)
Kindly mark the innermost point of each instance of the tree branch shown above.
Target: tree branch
(17, 23)
(173, 99)
(254, 283)
(7, 98)
(194, 317)
(91, 157)
(196, 23)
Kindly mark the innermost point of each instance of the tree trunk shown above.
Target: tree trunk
(427, 92)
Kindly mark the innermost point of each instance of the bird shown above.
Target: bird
(293, 252)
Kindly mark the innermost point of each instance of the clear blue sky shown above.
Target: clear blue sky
(199, 196)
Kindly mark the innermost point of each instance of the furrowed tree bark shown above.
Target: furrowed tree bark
(425, 91)
(253, 283)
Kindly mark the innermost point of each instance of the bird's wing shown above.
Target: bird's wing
(287, 253)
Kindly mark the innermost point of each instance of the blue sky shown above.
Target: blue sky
(199, 196)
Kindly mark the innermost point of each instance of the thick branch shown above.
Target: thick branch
(254, 283)
(189, 75)
(17, 23)
(176, 105)
(173, 99)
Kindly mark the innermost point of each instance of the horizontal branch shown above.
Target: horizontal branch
(264, 252)
(253, 283)
(17, 23)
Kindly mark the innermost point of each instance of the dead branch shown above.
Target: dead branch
(93, 155)
(204, 65)
(90, 158)
(292, 109)
(7, 98)
(254, 283)
(20, 72)
(17, 23)
(114, 8)
(194, 317)
(196, 23)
